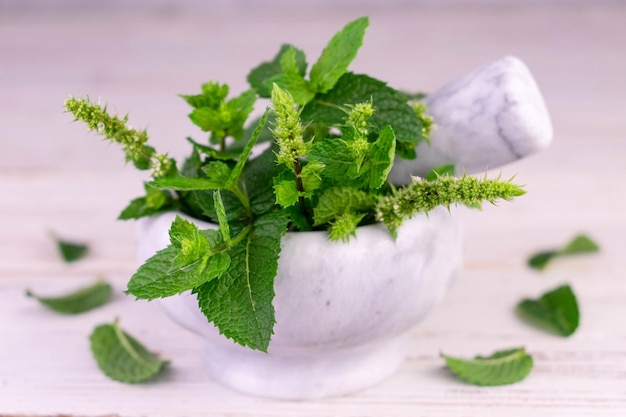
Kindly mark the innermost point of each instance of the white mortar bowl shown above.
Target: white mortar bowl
(343, 310)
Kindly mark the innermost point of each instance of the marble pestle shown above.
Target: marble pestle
(490, 117)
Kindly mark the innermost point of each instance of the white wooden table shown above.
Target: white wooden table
(55, 177)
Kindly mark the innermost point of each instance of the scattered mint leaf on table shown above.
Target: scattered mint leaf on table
(121, 357)
(579, 244)
(556, 310)
(500, 368)
(79, 301)
(70, 251)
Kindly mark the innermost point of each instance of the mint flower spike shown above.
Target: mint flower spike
(133, 141)
(423, 196)
(288, 129)
(359, 115)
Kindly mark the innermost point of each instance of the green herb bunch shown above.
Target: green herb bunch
(333, 139)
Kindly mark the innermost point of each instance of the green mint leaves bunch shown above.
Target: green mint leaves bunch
(333, 138)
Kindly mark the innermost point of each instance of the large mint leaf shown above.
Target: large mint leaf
(79, 301)
(390, 105)
(556, 310)
(338, 55)
(260, 77)
(121, 357)
(239, 303)
(337, 158)
(501, 368)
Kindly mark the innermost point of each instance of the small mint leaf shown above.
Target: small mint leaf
(247, 150)
(439, 171)
(181, 183)
(213, 153)
(338, 55)
(260, 78)
(556, 310)
(291, 79)
(239, 302)
(344, 226)
(79, 301)
(155, 201)
(501, 368)
(287, 193)
(218, 172)
(121, 357)
(337, 201)
(336, 157)
(221, 217)
(311, 177)
(70, 251)
(239, 108)
(380, 160)
(213, 95)
(578, 245)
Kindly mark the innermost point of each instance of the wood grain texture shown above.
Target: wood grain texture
(53, 176)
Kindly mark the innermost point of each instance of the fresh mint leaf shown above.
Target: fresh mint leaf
(311, 177)
(212, 96)
(578, 245)
(188, 184)
(287, 193)
(247, 150)
(217, 171)
(556, 310)
(239, 108)
(121, 357)
(221, 217)
(155, 201)
(337, 201)
(390, 105)
(260, 78)
(258, 179)
(501, 368)
(70, 251)
(381, 157)
(336, 157)
(79, 301)
(239, 302)
(187, 263)
(439, 171)
(228, 118)
(338, 55)
(292, 80)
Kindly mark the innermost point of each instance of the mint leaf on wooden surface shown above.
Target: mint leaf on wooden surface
(556, 310)
(239, 302)
(79, 301)
(501, 368)
(260, 78)
(578, 245)
(121, 357)
(391, 107)
(338, 55)
(70, 251)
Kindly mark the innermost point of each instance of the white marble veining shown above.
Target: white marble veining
(492, 116)
(342, 310)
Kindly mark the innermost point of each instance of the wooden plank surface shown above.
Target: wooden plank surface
(55, 177)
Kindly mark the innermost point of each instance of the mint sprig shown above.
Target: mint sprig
(556, 310)
(121, 357)
(79, 301)
(500, 368)
(578, 245)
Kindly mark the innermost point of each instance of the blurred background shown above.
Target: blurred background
(138, 55)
